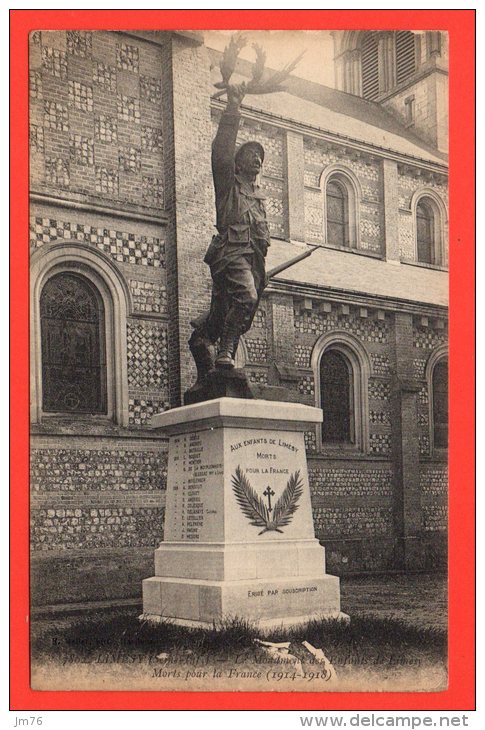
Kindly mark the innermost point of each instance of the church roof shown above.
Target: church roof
(343, 270)
(336, 112)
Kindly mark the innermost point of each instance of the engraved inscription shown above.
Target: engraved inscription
(275, 591)
(193, 472)
(269, 483)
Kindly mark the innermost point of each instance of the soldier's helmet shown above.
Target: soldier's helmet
(247, 145)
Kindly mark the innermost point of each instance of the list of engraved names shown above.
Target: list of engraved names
(193, 475)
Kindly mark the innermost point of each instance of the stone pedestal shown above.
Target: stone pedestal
(239, 538)
(232, 384)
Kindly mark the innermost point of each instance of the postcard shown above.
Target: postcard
(244, 268)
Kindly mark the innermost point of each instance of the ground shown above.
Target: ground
(419, 599)
(396, 640)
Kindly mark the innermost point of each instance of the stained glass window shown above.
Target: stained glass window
(336, 395)
(73, 346)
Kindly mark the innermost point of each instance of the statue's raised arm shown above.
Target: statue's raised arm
(224, 144)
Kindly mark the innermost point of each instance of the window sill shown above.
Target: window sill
(435, 267)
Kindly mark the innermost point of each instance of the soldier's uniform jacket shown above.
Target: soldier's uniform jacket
(241, 217)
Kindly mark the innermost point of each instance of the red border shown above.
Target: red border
(461, 27)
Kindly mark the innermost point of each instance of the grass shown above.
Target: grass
(365, 641)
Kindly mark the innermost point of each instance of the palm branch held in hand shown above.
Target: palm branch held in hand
(258, 84)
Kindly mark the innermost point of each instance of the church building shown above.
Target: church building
(122, 212)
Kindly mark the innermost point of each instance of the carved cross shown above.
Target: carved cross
(268, 492)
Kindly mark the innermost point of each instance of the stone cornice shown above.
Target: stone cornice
(418, 172)
(371, 301)
(98, 209)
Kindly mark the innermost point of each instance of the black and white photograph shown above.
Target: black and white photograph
(239, 360)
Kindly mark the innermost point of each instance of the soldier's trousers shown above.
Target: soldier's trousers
(237, 284)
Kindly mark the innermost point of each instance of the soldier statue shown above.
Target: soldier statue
(237, 252)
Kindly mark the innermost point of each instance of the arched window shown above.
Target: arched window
(73, 346)
(341, 368)
(430, 224)
(79, 304)
(380, 70)
(437, 385)
(405, 55)
(337, 213)
(341, 206)
(370, 66)
(336, 392)
(425, 233)
(372, 63)
(440, 404)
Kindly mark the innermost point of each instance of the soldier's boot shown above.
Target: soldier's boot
(233, 327)
(202, 351)
(226, 351)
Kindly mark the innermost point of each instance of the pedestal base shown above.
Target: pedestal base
(267, 603)
(240, 561)
(239, 537)
(232, 384)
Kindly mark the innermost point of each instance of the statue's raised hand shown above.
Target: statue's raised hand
(235, 94)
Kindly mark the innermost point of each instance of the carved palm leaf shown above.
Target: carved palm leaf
(251, 504)
(287, 504)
